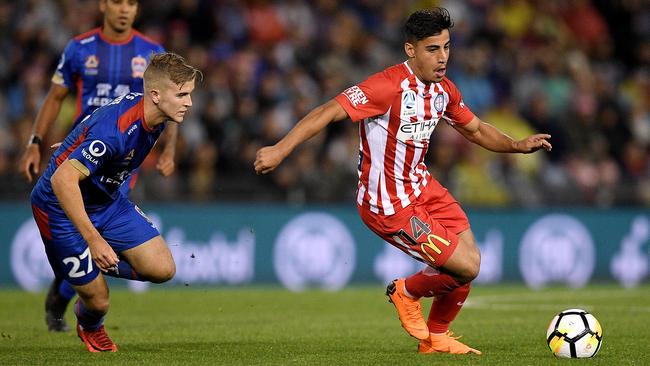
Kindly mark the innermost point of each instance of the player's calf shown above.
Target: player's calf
(55, 306)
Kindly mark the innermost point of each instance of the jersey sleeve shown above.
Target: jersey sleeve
(66, 68)
(370, 98)
(456, 110)
(94, 151)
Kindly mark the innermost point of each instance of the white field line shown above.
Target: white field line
(479, 302)
(542, 294)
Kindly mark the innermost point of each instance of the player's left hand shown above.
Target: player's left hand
(103, 254)
(166, 164)
(267, 159)
(534, 143)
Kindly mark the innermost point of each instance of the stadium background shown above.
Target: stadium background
(578, 70)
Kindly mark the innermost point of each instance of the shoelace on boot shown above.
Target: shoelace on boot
(101, 337)
(414, 311)
(450, 334)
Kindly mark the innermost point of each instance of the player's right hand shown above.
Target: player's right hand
(30, 162)
(103, 255)
(267, 159)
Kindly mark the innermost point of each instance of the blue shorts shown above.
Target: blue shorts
(121, 223)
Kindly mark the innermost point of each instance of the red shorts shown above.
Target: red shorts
(427, 229)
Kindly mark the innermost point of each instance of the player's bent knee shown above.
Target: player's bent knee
(101, 305)
(469, 265)
(471, 271)
(96, 303)
(467, 269)
(465, 275)
(163, 273)
(472, 266)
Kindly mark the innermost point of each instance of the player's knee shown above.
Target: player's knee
(471, 267)
(164, 273)
(97, 303)
(102, 306)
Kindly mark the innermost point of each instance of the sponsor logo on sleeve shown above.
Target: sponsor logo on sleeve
(355, 95)
(89, 157)
(97, 148)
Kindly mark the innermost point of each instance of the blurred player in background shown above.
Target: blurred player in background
(89, 227)
(101, 64)
(397, 198)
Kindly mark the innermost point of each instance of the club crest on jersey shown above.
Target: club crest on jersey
(439, 102)
(138, 65)
(409, 104)
(91, 65)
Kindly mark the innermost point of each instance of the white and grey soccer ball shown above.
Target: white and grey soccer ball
(574, 333)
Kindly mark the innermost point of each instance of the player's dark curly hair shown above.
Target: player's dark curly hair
(427, 23)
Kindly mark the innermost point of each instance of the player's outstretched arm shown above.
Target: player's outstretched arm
(269, 157)
(30, 161)
(65, 183)
(166, 164)
(489, 137)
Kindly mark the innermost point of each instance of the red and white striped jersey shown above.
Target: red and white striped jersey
(397, 114)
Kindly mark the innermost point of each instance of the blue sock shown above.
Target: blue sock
(124, 270)
(89, 320)
(66, 291)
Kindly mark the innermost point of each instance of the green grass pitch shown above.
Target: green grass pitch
(357, 326)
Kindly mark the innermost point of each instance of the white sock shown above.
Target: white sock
(407, 293)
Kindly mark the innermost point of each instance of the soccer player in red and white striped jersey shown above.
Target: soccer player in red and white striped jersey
(398, 199)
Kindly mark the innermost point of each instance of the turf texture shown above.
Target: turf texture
(357, 326)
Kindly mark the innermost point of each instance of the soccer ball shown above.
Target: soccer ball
(574, 333)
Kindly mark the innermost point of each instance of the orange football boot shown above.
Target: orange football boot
(96, 341)
(445, 343)
(409, 310)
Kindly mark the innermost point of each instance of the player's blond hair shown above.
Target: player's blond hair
(168, 65)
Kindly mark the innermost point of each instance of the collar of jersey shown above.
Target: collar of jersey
(405, 63)
(140, 107)
(114, 43)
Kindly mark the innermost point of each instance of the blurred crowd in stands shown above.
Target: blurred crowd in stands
(578, 70)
